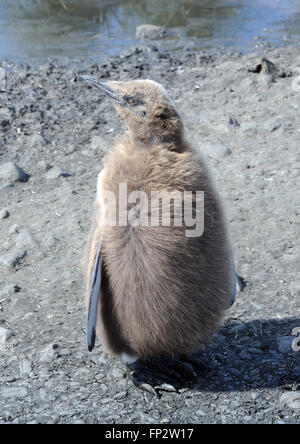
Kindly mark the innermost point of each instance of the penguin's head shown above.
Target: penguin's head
(145, 107)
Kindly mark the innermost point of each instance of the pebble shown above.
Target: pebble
(271, 126)
(4, 214)
(238, 328)
(56, 172)
(44, 166)
(35, 140)
(25, 367)
(216, 150)
(284, 344)
(2, 80)
(117, 373)
(265, 81)
(13, 258)
(25, 239)
(150, 32)
(120, 395)
(11, 173)
(47, 354)
(9, 290)
(98, 143)
(291, 400)
(297, 370)
(100, 360)
(15, 228)
(13, 392)
(82, 373)
(43, 394)
(4, 335)
(103, 387)
(233, 122)
(265, 66)
(248, 126)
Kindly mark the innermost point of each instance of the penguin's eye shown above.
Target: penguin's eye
(130, 101)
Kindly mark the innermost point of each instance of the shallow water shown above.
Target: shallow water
(31, 30)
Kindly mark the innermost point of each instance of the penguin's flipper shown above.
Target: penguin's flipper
(94, 300)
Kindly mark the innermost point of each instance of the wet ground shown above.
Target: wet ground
(32, 30)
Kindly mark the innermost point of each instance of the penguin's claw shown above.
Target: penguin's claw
(162, 374)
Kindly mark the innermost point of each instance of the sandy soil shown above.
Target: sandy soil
(56, 131)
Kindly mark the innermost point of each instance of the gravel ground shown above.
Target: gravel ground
(55, 132)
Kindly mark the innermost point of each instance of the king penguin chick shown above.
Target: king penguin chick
(155, 294)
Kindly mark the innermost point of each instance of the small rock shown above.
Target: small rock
(248, 126)
(69, 150)
(291, 400)
(102, 387)
(238, 328)
(216, 150)
(48, 354)
(57, 172)
(35, 140)
(266, 81)
(4, 335)
(4, 113)
(271, 126)
(221, 128)
(233, 122)
(13, 258)
(265, 66)
(13, 392)
(25, 239)
(2, 80)
(150, 32)
(98, 143)
(43, 394)
(25, 367)
(44, 166)
(9, 290)
(269, 68)
(297, 370)
(4, 214)
(15, 228)
(102, 359)
(220, 339)
(120, 395)
(285, 343)
(11, 173)
(117, 373)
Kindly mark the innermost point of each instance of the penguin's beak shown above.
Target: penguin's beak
(104, 88)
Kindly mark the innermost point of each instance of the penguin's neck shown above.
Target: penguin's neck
(171, 142)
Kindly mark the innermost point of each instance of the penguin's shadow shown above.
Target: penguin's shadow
(251, 355)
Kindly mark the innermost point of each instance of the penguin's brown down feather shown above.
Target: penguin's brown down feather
(163, 293)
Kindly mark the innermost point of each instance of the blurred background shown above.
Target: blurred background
(32, 30)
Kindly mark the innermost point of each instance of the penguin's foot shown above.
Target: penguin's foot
(165, 374)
